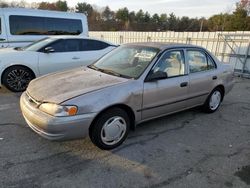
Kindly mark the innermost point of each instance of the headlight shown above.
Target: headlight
(57, 110)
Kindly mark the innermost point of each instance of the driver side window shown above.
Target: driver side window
(172, 63)
(58, 46)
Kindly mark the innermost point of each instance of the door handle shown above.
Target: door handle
(1, 39)
(214, 77)
(75, 58)
(184, 84)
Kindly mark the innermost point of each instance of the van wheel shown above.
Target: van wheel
(213, 101)
(17, 78)
(110, 129)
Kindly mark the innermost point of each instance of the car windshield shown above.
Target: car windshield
(35, 46)
(126, 61)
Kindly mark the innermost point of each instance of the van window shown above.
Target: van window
(32, 25)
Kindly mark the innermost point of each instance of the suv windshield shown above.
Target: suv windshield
(35, 46)
(126, 61)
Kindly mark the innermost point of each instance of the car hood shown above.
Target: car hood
(62, 86)
(10, 54)
(7, 50)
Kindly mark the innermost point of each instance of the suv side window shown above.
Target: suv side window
(66, 45)
(72, 45)
(58, 46)
(172, 62)
(198, 61)
(89, 45)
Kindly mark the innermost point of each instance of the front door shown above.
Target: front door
(66, 54)
(164, 96)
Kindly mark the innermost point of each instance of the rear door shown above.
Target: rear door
(3, 36)
(167, 95)
(202, 75)
(93, 50)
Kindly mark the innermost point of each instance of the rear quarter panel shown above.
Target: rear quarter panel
(226, 77)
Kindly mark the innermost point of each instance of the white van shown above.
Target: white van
(21, 26)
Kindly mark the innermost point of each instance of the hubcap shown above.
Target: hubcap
(18, 79)
(215, 100)
(113, 130)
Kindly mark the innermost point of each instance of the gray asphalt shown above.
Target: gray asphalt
(187, 149)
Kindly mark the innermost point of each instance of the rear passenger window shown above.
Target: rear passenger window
(198, 61)
(88, 45)
(210, 63)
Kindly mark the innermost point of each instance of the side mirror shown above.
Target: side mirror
(158, 75)
(49, 49)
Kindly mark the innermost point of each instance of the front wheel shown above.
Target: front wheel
(213, 101)
(110, 129)
(17, 78)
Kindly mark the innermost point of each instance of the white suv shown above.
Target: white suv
(20, 65)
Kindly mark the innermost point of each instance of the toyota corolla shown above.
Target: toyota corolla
(132, 84)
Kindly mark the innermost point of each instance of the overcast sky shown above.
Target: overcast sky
(191, 8)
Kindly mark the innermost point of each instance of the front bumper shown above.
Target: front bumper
(54, 128)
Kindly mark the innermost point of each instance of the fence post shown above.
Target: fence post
(121, 39)
(224, 49)
(246, 57)
(217, 44)
(188, 40)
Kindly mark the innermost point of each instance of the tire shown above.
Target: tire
(17, 78)
(213, 101)
(110, 129)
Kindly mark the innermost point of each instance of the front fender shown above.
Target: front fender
(27, 61)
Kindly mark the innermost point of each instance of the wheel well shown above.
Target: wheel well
(126, 108)
(222, 88)
(17, 66)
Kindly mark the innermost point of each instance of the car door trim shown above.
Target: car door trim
(151, 107)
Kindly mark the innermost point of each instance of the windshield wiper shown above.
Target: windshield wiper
(93, 67)
(108, 71)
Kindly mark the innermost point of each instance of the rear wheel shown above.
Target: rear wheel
(17, 78)
(213, 101)
(110, 129)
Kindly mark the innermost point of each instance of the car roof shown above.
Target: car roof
(79, 37)
(162, 45)
(45, 13)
